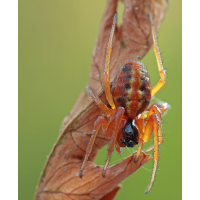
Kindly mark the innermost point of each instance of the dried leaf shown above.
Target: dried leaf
(65, 183)
(60, 178)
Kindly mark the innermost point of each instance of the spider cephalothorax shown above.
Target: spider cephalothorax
(130, 134)
(129, 121)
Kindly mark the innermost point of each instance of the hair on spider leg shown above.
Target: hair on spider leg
(155, 176)
(164, 60)
(167, 67)
(160, 151)
(163, 121)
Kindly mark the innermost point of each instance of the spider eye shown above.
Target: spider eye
(128, 143)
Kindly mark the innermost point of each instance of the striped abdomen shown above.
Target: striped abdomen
(131, 88)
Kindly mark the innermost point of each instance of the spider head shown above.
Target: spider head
(130, 133)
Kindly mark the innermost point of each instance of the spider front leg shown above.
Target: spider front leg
(163, 107)
(153, 124)
(101, 122)
(113, 131)
(162, 74)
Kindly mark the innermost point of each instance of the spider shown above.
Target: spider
(130, 120)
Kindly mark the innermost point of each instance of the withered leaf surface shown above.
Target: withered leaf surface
(60, 178)
(68, 184)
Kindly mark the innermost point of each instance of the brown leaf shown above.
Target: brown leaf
(65, 183)
(60, 178)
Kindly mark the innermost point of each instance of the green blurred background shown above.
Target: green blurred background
(56, 40)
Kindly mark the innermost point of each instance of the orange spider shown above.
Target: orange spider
(129, 123)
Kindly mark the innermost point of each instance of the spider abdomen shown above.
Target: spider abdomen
(131, 88)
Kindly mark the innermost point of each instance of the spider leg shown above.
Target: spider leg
(98, 101)
(153, 124)
(114, 128)
(101, 122)
(148, 149)
(162, 74)
(117, 147)
(140, 124)
(106, 75)
(148, 129)
(163, 108)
